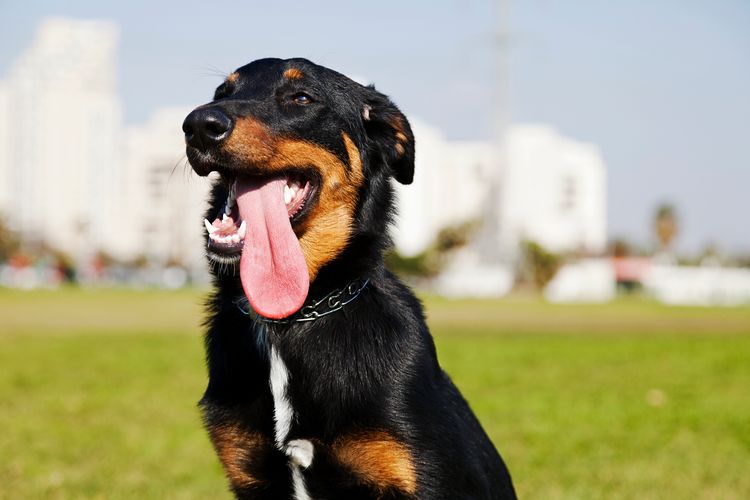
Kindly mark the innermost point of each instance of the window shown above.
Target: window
(568, 194)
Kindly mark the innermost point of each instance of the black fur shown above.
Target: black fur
(371, 365)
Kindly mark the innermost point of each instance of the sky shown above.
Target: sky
(663, 88)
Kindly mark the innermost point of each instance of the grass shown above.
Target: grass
(98, 394)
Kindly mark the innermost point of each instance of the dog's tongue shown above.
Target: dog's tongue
(272, 268)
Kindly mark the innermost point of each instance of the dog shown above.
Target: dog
(323, 377)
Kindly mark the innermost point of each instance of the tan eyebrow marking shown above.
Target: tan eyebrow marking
(293, 74)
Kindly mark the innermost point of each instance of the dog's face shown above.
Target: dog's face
(296, 146)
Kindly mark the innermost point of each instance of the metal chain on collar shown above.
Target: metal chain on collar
(331, 303)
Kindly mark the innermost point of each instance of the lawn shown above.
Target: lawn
(98, 394)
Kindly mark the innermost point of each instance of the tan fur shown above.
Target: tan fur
(398, 126)
(233, 77)
(234, 447)
(325, 231)
(293, 74)
(401, 139)
(250, 141)
(378, 460)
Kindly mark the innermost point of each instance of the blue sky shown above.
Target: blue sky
(661, 87)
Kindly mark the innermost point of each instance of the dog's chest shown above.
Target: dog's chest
(362, 458)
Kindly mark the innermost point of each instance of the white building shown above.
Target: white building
(449, 188)
(165, 199)
(72, 176)
(552, 190)
(698, 286)
(5, 186)
(61, 124)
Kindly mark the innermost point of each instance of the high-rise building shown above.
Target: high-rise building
(5, 186)
(72, 176)
(61, 123)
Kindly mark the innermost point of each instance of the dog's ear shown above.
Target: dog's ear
(389, 129)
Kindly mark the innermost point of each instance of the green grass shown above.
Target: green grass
(98, 393)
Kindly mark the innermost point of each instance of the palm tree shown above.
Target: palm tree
(665, 225)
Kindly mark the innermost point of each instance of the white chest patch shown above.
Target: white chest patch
(299, 451)
(282, 407)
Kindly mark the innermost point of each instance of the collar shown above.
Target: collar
(313, 309)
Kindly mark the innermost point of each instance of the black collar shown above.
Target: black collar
(313, 309)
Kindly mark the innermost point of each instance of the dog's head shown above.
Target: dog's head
(304, 156)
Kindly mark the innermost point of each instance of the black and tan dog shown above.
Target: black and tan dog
(323, 377)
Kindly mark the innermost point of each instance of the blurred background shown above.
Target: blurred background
(576, 230)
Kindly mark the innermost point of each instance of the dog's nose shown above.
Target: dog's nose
(206, 127)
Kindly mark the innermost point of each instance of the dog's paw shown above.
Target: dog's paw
(300, 451)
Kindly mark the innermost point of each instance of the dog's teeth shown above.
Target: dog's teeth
(235, 238)
(227, 209)
(209, 227)
(242, 230)
(288, 195)
(224, 217)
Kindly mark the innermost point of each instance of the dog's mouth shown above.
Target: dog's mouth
(227, 232)
(255, 228)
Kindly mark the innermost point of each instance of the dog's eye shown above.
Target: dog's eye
(301, 98)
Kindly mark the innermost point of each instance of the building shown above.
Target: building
(449, 188)
(73, 177)
(61, 123)
(166, 200)
(552, 190)
(5, 186)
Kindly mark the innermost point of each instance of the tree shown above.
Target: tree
(431, 261)
(620, 248)
(540, 264)
(9, 242)
(665, 225)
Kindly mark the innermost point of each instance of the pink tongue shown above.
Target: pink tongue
(272, 268)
